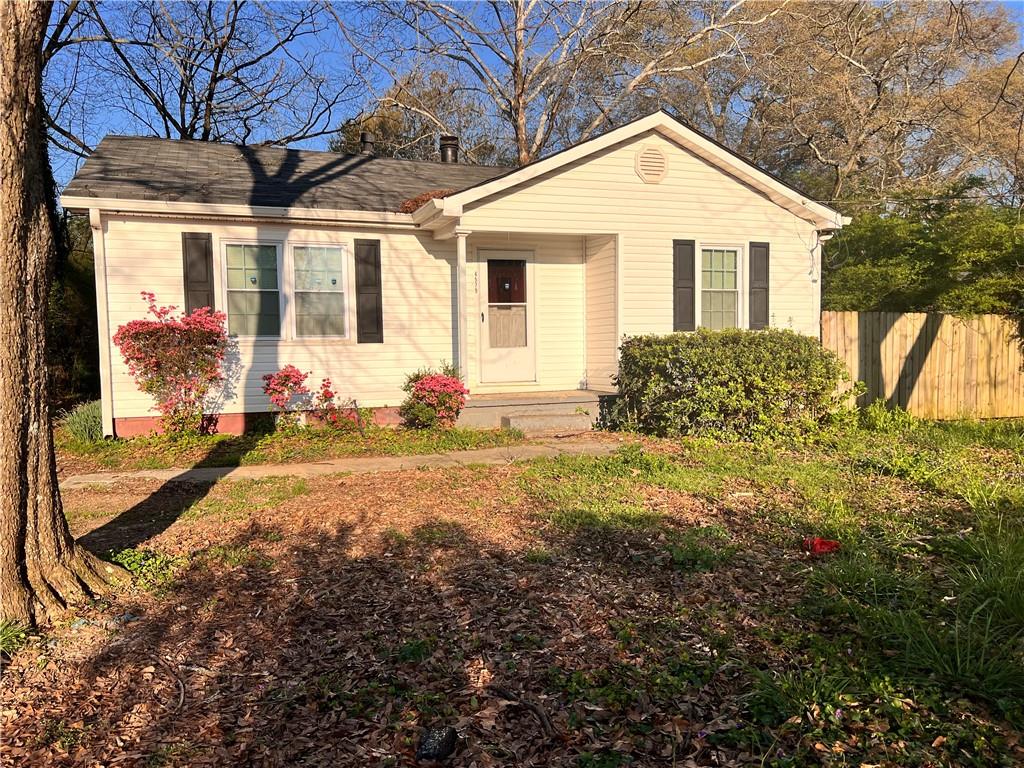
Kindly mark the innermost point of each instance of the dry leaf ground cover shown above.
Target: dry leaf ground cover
(648, 608)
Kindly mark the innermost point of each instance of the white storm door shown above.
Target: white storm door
(507, 346)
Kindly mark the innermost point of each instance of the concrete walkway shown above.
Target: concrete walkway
(353, 465)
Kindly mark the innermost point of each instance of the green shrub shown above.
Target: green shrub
(879, 417)
(84, 422)
(733, 385)
(417, 415)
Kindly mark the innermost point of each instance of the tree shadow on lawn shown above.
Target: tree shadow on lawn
(151, 516)
(335, 642)
(279, 648)
(147, 519)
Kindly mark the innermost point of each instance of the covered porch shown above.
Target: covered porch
(536, 313)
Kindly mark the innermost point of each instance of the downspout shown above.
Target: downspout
(816, 273)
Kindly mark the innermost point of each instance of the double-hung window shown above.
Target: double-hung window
(253, 288)
(719, 294)
(319, 290)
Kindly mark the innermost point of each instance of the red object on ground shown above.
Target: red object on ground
(818, 546)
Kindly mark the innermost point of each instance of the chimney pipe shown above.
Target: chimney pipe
(449, 149)
(366, 140)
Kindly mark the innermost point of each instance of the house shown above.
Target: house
(527, 278)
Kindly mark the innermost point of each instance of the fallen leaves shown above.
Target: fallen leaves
(380, 606)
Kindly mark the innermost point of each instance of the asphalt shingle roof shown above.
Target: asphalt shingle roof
(143, 168)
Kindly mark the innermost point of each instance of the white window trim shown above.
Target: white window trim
(346, 290)
(281, 282)
(741, 282)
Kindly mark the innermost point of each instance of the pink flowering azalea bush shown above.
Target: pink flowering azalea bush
(177, 359)
(287, 391)
(329, 412)
(434, 399)
(289, 395)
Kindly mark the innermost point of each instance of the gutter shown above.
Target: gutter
(215, 211)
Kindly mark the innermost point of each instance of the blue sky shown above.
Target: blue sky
(115, 121)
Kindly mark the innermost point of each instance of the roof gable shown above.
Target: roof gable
(676, 131)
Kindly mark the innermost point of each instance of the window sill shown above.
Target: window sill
(278, 341)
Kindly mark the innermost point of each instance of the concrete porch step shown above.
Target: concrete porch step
(535, 411)
(547, 422)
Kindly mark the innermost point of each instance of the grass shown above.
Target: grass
(700, 548)
(598, 494)
(61, 734)
(279, 447)
(152, 570)
(441, 533)
(84, 422)
(13, 636)
(928, 586)
(235, 499)
(237, 556)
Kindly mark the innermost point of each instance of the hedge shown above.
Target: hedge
(731, 385)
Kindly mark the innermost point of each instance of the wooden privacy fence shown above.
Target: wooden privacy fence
(936, 366)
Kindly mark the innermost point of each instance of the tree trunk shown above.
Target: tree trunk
(42, 570)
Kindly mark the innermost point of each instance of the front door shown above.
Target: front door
(506, 317)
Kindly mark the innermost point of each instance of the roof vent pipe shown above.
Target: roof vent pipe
(449, 149)
(366, 140)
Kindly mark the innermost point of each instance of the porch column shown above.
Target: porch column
(462, 305)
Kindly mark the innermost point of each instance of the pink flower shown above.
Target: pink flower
(176, 358)
(282, 387)
(445, 395)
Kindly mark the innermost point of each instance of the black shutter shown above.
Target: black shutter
(683, 285)
(369, 309)
(197, 258)
(758, 280)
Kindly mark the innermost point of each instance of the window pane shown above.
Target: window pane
(236, 303)
(263, 256)
(267, 278)
(320, 325)
(718, 309)
(236, 278)
(268, 323)
(506, 281)
(254, 313)
(252, 267)
(719, 297)
(320, 314)
(318, 269)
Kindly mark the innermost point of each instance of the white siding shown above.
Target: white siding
(601, 321)
(602, 245)
(144, 254)
(558, 293)
(695, 201)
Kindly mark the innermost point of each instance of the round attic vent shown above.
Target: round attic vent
(651, 164)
